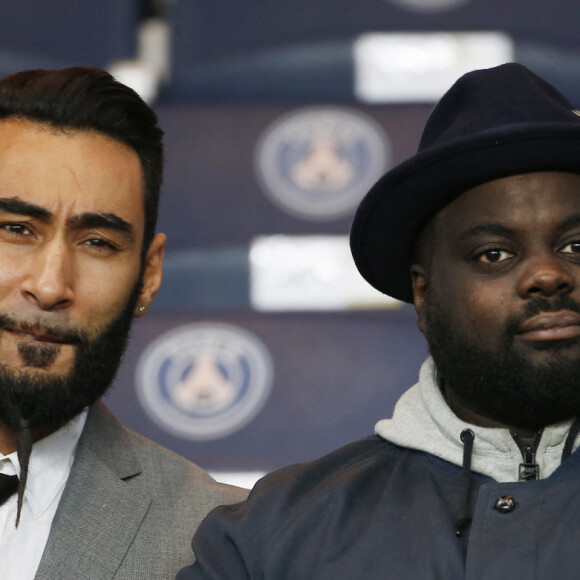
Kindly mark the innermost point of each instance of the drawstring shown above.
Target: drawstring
(467, 436)
(570, 439)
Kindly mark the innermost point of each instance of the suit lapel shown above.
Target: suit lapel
(99, 512)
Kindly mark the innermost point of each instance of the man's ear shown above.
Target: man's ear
(420, 282)
(152, 274)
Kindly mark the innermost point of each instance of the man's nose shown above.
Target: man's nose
(48, 280)
(547, 275)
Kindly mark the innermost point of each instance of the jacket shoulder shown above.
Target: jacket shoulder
(291, 513)
(148, 467)
(165, 472)
(333, 469)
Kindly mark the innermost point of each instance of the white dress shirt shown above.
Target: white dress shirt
(50, 463)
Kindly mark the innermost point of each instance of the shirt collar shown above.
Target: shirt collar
(50, 463)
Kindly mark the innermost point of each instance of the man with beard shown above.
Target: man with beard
(80, 173)
(476, 475)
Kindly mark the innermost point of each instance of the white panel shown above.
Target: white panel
(420, 67)
(309, 273)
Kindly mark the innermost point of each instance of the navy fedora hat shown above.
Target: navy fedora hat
(492, 123)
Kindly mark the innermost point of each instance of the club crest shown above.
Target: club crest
(204, 381)
(317, 163)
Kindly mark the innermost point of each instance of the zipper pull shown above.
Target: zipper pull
(529, 469)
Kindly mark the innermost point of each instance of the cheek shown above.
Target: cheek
(105, 294)
(483, 316)
(13, 272)
(9, 277)
(476, 309)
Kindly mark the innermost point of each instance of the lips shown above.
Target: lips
(37, 336)
(550, 326)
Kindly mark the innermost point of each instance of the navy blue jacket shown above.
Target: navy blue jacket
(374, 510)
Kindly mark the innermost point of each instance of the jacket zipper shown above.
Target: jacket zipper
(529, 470)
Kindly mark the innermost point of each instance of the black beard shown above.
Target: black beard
(501, 384)
(45, 403)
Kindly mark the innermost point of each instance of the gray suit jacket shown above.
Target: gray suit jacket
(129, 508)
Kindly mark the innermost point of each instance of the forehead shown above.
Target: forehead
(74, 171)
(519, 201)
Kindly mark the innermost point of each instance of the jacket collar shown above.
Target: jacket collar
(99, 512)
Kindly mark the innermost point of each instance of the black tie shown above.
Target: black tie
(8, 486)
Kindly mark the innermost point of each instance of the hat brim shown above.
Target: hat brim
(397, 207)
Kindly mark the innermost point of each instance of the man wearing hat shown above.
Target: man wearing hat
(476, 475)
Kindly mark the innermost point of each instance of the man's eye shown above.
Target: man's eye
(571, 248)
(96, 242)
(493, 256)
(16, 229)
(99, 243)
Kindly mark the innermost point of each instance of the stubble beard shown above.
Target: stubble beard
(502, 384)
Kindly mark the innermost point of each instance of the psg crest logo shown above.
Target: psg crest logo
(204, 381)
(317, 163)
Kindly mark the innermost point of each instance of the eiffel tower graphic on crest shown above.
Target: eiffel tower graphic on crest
(204, 388)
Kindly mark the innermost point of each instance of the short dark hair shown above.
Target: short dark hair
(90, 99)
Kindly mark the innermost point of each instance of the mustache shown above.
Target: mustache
(538, 306)
(55, 331)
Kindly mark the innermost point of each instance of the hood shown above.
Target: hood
(423, 421)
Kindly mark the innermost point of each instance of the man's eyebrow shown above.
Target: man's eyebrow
(19, 207)
(489, 228)
(108, 221)
(569, 222)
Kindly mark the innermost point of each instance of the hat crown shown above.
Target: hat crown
(495, 100)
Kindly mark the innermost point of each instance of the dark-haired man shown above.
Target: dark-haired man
(476, 475)
(80, 173)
